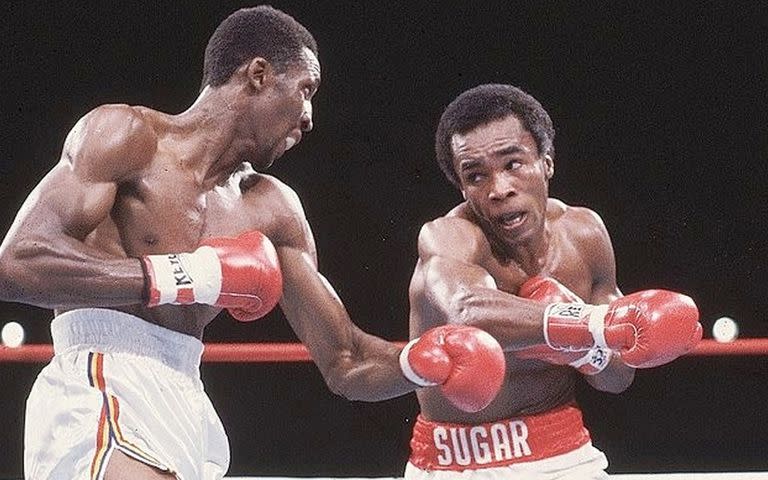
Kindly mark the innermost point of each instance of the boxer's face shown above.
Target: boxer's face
(286, 108)
(503, 178)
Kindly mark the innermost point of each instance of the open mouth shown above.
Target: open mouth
(511, 220)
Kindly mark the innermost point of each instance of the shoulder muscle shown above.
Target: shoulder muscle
(452, 237)
(289, 227)
(589, 225)
(591, 236)
(109, 143)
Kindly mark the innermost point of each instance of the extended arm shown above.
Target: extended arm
(354, 364)
(646, 328)
(466, 363)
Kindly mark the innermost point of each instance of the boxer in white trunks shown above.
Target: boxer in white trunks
(149, 226)
(517, 263)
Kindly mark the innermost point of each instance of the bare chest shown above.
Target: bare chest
(564, 262)
(169, 213)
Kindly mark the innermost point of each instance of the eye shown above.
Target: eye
(473, 177)
(513, 164)
(308, 92)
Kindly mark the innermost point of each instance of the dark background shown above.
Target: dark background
(661, 120)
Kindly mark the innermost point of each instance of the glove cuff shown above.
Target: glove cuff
(408, 372)
(566, 327)
(594, 361)
(183, 278)
(596, 325)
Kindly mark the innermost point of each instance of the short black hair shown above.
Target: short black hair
(484, 104)
(261, 31)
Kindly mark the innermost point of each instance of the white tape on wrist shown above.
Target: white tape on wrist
(205, 268)
(566, 312)
(596, 325)
(405, 367)
(596, 357)
(187, 277)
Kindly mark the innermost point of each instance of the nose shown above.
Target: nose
(306, 118)
(502, 186)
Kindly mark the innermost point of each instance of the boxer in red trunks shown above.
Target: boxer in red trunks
(540, 276)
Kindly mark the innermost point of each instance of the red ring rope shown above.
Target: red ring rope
(296, 352)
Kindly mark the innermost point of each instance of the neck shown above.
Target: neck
(530, 253)
(209, 127)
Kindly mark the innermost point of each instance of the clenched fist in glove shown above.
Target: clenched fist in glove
(549, 290)
(241, 274)
(466, 362)
(648, 328)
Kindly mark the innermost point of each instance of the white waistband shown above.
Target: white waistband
(111, 331)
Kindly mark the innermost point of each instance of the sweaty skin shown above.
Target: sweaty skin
(473, 260)
(133, 181)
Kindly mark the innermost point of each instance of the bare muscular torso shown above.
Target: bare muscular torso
(133, 181)
(531, 386)
(166, 208)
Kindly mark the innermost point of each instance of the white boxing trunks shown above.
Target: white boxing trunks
(547, 446)
(117, 382)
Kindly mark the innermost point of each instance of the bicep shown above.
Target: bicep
(449, 271)
(449, 252)
(78, 204)
(64, 204)
(447, 280)
(105, 147)
(45, 259)
(604, 285)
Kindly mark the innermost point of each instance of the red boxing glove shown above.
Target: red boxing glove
(648, 328)
(466, 362)
(549, 290)
(241, 274)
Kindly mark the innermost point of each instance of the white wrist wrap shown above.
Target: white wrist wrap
(596, 325)
(408, 372)
(187, 277)
(596, 357)
(567, 312)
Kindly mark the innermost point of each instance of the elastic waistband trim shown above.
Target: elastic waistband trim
(112, 331)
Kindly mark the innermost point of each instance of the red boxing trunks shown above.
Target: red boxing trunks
(456, 447)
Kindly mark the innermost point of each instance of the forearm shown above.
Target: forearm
(353, 363)
(370, 372)
(452, 292)
(616, 377)
(66, 273)
(514, 322)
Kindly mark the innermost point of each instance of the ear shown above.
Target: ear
(549, 166)
(259, 73)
